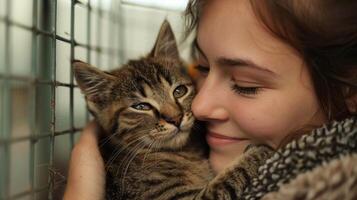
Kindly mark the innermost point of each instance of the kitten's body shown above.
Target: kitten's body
(150, 150)
(155, 174)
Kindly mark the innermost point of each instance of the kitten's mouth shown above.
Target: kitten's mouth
(187, 126)
(172, 138)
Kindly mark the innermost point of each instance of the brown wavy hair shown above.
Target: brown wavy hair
(323, 32)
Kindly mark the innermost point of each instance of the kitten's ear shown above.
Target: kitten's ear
(165, 44)
(94, 83)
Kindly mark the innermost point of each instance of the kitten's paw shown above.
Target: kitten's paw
(263, 147)
(250, 146)
(248, 164)
(258, 153)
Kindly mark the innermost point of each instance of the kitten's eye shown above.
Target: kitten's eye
(142, 106)
(180, 91)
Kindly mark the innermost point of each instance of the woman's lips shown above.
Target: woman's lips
(215, 139)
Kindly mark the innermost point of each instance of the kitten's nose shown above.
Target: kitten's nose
(175, 120)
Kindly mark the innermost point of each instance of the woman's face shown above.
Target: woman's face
(252, 88)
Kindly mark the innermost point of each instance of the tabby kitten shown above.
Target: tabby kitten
(150, 150)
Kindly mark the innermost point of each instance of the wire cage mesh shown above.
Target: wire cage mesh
(41, 108)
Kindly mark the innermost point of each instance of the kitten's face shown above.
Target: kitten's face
(146, 102)
(158, 107)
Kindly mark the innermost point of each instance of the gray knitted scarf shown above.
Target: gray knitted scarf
(322, 145)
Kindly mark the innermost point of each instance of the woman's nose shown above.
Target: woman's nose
(209, 103)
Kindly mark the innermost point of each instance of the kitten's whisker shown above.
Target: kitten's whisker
(156, 145)
(127, 146)
(133, 149)
(149, 151)
(106, 139)
(121, 149)
(128, 155)
(123, 162)
(130, 158)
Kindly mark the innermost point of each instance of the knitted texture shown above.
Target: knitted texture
(322, 145)
(336, 180)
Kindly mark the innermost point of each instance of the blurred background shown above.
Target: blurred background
(41, 110)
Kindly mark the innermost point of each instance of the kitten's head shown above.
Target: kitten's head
(146, 102)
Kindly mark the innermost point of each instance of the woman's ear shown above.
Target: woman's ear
(350, 94)
(352, 104)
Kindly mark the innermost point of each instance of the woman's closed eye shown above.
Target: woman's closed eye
(247, 91)
(202, 70)
(245, 88)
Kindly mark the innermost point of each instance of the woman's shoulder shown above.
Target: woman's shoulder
(312, 151)
(335, 180)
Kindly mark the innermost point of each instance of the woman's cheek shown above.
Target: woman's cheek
(263, 123)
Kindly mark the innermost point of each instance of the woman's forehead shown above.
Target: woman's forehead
(230, 29)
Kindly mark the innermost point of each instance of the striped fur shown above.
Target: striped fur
(151, 143)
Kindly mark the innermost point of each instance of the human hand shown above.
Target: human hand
(86, 176)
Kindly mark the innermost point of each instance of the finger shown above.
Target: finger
(86, 177)
(89, 134)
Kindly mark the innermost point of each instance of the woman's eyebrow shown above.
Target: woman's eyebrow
(239, 62)
(235, 62)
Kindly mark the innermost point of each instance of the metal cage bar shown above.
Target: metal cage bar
(53, 97)
(5, 107)
(89, 37)
(71, 118)
(33, 103)
(45, 35)
(58, 37)
(99, 35)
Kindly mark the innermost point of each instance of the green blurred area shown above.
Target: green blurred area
(41, 112)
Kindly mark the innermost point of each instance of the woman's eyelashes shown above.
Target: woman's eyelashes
(246, 91)
(249, 89)
(202, 70)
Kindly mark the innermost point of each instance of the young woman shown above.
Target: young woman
(269, 71)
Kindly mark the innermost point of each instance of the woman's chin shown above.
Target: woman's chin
(218, 162)
(221, 158)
